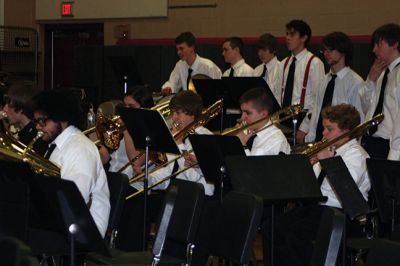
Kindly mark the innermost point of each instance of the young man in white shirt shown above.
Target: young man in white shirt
(58, 115)
(381, 94)
(263, 138)
(232, 49)
(340, 85)
(302, 71)
(190, 64)
(270, 68)
(296, 230)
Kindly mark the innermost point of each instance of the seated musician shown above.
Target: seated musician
(186, 107)
(296, 229)
(19, 113)
(190, 64)
(57, 113)
(263, 138)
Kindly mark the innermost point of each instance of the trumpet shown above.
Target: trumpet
(206, 116)
(312, 149)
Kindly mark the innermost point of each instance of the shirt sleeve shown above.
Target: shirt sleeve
(174, 82)
(394, 152)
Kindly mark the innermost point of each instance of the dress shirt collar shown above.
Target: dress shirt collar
(345, 146)
(271, 64)
(342, 73)
(64, 136)
(393, 64)
(266, 130)
(195, 64)
(301, 55)
(238, 64)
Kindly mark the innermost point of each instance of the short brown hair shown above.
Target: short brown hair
(259, 98)
(188, 102)
(345, 115)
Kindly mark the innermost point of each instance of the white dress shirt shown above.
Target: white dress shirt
(389, 128)
(178, 78)
(315, 76)
(347, 86)
(240, 69)
(269, 141)
(194, 174)
(80, 162)
(354, 156)
(273, 75)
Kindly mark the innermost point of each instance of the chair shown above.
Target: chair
(329, 236)
(14, 205)
(236, 227)
(15, 253)
(384, 252)
(117, 184)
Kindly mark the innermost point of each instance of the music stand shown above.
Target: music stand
(149, 131)
(230, 90)
(277, 179)
(353, 203)
(211, 151)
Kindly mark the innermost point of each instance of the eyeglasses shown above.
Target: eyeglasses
(41, 121)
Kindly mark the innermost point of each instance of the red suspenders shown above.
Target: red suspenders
(305, 80)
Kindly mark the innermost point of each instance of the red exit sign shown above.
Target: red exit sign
(66, 9)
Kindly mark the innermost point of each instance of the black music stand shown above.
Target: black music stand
(353, 203)
(277, 179)
(149, 131)
(68, 213)
(211, 151)
(230, 90)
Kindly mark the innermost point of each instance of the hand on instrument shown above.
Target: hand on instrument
(175, 129)
(138, 169)
(300, 137)
(326, 153)
(376, 69)
(245, 137)
(166, 91)
(190, 159)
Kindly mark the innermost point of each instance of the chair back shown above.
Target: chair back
(236, 228)
(14, 206)
(117, 184)
(329, 236)
(385, 183)
(384, 252)
(185, 218)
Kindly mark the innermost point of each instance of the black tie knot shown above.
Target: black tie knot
(250, 142)
(231, 72)
(264, 71)
(50, 150)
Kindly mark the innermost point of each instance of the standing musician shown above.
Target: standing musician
(302, 71)
(340, 85)
(270, 68)
(190, 64)
(19, 112)
(381, 94)
(57, 113)
(296, 229)
(262, 138)
(232, 52)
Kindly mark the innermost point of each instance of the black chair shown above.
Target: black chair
(384, 252)
(117, 184)
(329, 236)
(236, 228)
(14, 206)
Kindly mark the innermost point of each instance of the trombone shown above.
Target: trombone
(361, 129)
(275, 118)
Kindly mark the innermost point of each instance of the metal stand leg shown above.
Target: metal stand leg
(73, 230)
(145, 188)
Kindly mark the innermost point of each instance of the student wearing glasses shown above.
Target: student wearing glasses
(57, 113)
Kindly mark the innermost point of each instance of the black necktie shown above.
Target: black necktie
(188, 78)
(379, 106)
(325, 102)
(321, 177)
(287, 98)
(231, 73)
(250, 142)
(49, 151)
(264, 71)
